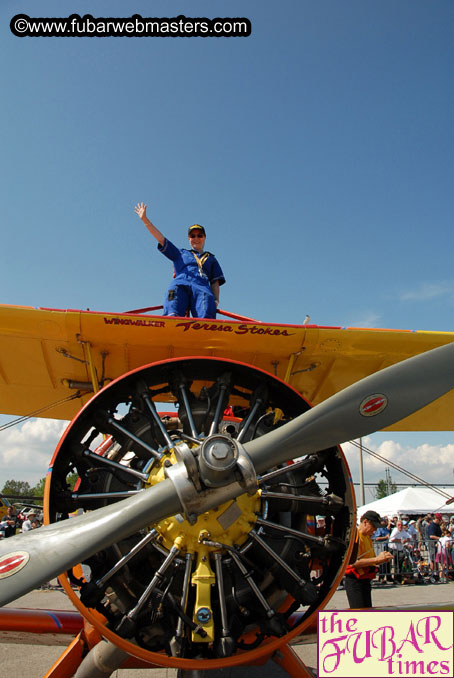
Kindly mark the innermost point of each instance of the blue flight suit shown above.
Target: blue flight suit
(191, 287)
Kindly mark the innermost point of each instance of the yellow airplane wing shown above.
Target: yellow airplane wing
(52, 360)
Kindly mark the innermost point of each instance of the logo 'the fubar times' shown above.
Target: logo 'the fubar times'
(375, 644)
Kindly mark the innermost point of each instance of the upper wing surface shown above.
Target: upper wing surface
(48, 356)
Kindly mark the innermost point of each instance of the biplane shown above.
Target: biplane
(204, 451)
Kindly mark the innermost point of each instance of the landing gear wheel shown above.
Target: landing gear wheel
(224, 587)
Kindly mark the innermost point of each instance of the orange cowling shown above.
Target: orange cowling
(200, 375)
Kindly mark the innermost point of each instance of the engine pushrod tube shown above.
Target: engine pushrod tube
(185, 436)
(286, 469)
(276, 557)
(290, 530)
(78, 496)
(221, 592)
(114, 464)
(248, 422)
(185, 593)
(248, 576)
(152, 408)
(114, 423)
(217, 414)
(310, 499)
(138, 547)
(158, 577)
(184, 395)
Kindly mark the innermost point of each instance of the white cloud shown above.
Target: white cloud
(27, 449)
(367, 319)
(431, 463)
(428, 291)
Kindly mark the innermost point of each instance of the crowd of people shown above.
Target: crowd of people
(397, 549)
(416, 543)
(14, 521)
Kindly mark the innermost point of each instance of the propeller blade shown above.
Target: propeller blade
(27, 560)
(39, 555)
(369, 405)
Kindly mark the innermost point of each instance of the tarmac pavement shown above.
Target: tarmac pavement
(34, 661)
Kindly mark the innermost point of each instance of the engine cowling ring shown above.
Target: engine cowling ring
(238, 400)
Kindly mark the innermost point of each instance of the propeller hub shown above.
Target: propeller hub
(217, 460)
(229, 520)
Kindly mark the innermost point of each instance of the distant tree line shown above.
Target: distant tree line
(21, 488)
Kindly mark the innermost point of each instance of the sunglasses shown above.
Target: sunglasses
(196, 235)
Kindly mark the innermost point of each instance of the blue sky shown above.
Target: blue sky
(318, 154)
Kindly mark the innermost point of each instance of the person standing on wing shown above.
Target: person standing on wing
(198, 274)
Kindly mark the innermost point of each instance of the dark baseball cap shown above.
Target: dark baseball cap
(198, 227)
(373, 517)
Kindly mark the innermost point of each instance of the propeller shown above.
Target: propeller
(371, 404)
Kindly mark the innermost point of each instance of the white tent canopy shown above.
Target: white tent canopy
(411, 501)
